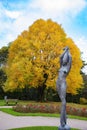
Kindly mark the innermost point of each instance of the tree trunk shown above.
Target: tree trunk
(40, 94)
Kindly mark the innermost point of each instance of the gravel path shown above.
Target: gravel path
(8, 121)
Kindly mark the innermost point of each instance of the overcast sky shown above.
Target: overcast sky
(18, 15)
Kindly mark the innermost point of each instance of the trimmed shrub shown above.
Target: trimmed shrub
(83, 101)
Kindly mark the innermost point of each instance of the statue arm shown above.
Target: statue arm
(69, 63)
(61, 59)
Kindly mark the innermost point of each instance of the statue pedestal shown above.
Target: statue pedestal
(66, 127)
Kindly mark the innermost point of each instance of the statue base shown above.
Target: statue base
(66, 127)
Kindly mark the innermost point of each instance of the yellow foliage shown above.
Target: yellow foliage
(36, 52)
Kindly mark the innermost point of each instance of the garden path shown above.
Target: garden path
(8, 121)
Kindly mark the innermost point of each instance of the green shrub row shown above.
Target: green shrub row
(46, 108)
(83, 101)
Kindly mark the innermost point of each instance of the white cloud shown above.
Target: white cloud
(11, 29)
(59, 7)
(12, 14)
(81, 42)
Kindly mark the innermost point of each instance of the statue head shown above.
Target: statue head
(66, 48)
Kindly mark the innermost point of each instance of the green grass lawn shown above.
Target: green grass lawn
(40, 128)
(2, 103)
(10, 111)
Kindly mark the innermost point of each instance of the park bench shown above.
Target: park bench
(11, 101)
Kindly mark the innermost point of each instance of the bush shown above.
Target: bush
(46, 108)
(83, 101)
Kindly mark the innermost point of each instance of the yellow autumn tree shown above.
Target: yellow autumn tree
(34, 58)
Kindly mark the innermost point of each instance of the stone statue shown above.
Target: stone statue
(65, 66)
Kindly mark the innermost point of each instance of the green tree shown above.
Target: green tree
(3, 61)
(3, 55)
(34, 58)
(84, 90)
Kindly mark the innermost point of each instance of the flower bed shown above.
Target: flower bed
(46, 108)
(77, 111)
(36, 108)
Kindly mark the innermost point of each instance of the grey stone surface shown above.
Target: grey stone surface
(66, 127)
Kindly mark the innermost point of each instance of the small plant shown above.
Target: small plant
(83, 101)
